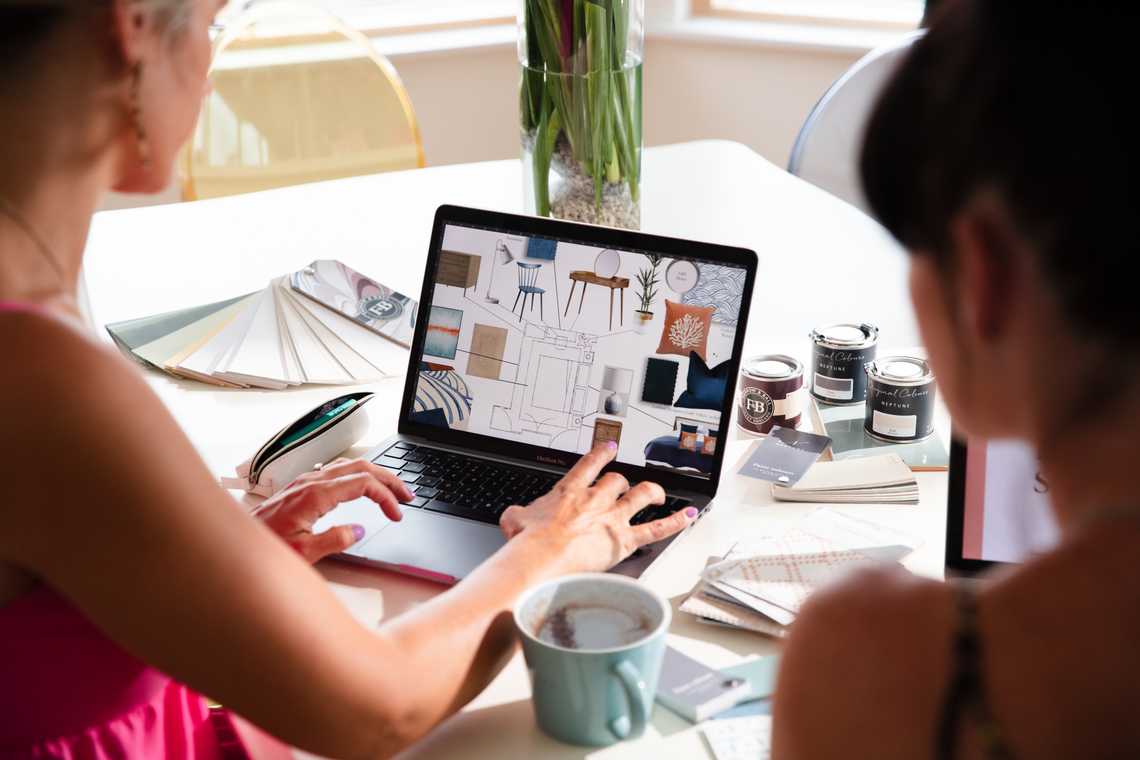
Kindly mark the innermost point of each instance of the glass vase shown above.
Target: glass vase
(580, 109)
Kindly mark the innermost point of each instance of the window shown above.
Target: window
(378, 15)
(902, 13)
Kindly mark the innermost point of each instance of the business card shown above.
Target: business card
(784, 456)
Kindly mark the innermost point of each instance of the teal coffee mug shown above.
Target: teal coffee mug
(593, 645)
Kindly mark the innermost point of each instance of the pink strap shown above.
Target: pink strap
(26, 307)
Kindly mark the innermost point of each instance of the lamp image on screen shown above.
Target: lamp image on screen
(501, 257)
(614, 396)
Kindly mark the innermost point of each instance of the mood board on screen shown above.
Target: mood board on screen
(561, 344)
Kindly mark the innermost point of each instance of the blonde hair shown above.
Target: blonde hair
(172, 14)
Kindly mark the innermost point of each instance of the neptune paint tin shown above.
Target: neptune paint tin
(900, 400)
(840, 355)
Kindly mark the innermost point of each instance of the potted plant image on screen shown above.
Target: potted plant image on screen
(647, 282)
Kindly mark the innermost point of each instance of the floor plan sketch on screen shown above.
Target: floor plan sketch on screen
(551, 394)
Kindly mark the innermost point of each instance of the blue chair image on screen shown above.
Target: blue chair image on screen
(528, 277)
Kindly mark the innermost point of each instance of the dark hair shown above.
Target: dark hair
(24, 24)
(22, 27)
(1032, 101)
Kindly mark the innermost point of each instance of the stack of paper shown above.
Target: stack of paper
(324, 325)
(875, 480)
(761, 586)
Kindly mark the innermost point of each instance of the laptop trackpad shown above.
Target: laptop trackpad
(435, 543)
(363, 512)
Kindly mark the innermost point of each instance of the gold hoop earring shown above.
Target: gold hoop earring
(136, 114)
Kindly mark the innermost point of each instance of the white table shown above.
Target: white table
(820, 261)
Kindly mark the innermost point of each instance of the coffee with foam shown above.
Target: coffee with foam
(593, 626)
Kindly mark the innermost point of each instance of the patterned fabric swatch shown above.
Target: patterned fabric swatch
(446, 390)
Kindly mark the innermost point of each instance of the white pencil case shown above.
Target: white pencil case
(316, 437)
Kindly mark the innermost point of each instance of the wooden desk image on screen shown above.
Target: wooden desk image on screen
(589, 278)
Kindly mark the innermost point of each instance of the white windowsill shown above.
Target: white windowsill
(802, 37)
(807, 38)
(771, 34)
(444, 42)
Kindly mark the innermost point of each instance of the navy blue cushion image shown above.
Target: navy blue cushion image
(667, 450)
(433, 417)
(706, 387)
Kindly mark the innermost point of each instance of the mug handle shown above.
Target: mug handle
(625, 726)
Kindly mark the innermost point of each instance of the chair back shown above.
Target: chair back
(528, 274)
(297, 97)
(826, 151)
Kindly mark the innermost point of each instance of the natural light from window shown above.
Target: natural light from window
(903, 12)
(381, 14)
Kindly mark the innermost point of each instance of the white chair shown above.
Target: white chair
(826, 152)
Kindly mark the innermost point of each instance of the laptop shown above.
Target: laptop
(535, 339)
(998, 508)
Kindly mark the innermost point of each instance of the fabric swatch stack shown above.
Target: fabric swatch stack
(760, 586)
(323, 325)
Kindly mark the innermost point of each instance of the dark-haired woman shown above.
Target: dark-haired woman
(122, 564)
(1003, 155)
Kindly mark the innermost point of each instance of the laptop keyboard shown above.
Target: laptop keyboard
(478, 489)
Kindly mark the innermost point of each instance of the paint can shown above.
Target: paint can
(771, 393)
(840, 355)
(900, 400)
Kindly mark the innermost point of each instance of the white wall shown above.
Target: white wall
(467, 99)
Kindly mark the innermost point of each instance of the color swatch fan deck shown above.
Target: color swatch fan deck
(323, 325)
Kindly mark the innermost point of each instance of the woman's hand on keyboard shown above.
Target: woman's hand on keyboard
(584, 520)
(291, 512)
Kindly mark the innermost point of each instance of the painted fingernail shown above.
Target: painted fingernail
(358, 532)
(691, 513)
(611, 445)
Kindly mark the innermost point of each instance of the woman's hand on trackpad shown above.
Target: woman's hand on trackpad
(291, 512)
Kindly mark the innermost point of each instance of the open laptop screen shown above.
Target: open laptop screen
(999, 510)
(558, 343)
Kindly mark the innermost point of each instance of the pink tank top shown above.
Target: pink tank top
(71, 693)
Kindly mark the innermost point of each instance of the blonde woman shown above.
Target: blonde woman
(129, 582)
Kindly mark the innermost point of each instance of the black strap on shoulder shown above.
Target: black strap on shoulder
(967, 693)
